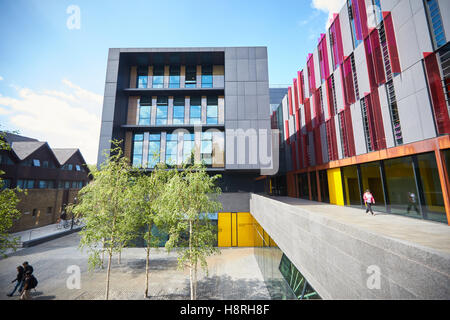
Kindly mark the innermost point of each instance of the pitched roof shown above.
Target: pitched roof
(64, 154)
(11, 137)
(23, 149)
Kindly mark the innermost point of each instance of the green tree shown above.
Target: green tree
(146, 191)
(8, 209)
(188, 197)
(106, 205)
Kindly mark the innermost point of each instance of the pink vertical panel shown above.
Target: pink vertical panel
(392, 43)
(363, 18)
(437, 94)
(295, 95)
(301, 87)
(311, 76)
(348, 82)
(290, 101)
(323, 58)
(357, 20)
(369, 62)
(377, 57)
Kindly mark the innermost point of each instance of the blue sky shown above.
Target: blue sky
(52, 78)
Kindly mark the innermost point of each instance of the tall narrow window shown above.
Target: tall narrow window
(206, 148)
(158, 76)
(195, 113)
(171, 149)
(138, 143)
(207, 77)
(435, 23)
(142, 76)
(161, 110)
(355, 77)
(395, 119)
(191, 76)
(154, 147)
(178, 110)
(188, 147)
(365, 118)
(211, 110)
(174, 77)
(343, 134)
(144, 110)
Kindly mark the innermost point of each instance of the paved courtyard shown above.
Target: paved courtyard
(234, 274)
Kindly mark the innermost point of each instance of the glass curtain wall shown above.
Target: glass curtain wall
(171, 149)
(154, 147)
(313, 181)
(138, 143)
(195, 113)
(178, 110)
(433, 202)
(158, 76)
(371, 179)
(142, 77)
(174, 76)
(207, 76)
(324, 192)
(191, 76)
(211, 110)
(161, 110)
(303, 186)
(352, 193)
(145, 104)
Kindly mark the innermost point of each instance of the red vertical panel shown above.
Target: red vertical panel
(305, 150)
(329, 93)
(378, 119)
(308, 115)
(311, 75)
(333, 139)
(295, 95)
(317, 146)
(392, 43)
(369, 61)
(301, 87)
(377, 57)
(371, 122)
(291, 112)
(340, 46)
(437, 94)
(363, 17)
(294, 155)
(323, 58)
(349, 130)
(299, 148)
(348, 83)
(286, 130)
(297, 120)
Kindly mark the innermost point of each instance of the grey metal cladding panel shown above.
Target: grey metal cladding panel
(250, 88)
(108, 109)
(262, 73)
(240, 88)
(262, 87)
(252, 70)
(263, 106)
(388, 132)
(251, 107)
(242, 53)
(231, 88)
(261, 53)
(252, 53)
(241, 107)
(230, 53)
(114, 54)
(110, 89)
(230, 70)
(231, 108)
(358, 129)
(426, 114)
(242, 70)
(112, 70)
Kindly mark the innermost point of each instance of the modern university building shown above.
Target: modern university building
(369, 110)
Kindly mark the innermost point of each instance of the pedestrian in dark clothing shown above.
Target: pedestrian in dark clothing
(27, 287)
(19, 279)
(27, 268)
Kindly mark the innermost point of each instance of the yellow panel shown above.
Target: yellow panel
(335, 186)
(234, 234)
(245, 230)
(224, 229)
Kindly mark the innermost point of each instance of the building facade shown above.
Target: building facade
(213, 104)
(370, 110)
(52, 178)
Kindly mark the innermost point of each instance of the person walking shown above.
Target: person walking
(368, 201)
(26, 268)
(19, 279)
(25, 295)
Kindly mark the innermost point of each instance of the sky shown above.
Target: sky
(53, 65)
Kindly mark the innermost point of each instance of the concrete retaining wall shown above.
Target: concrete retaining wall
(336, 257)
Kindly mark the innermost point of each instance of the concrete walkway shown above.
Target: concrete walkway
(433, 235)
(234, 274)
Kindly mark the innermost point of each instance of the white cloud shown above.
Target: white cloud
(64, 119)
(328, 6)
(1, 78)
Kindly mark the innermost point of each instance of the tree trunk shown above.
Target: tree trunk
(190, 262)
(147, 263)
(103, 250)
(120, 255)
(108, 273)
(195, 280)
